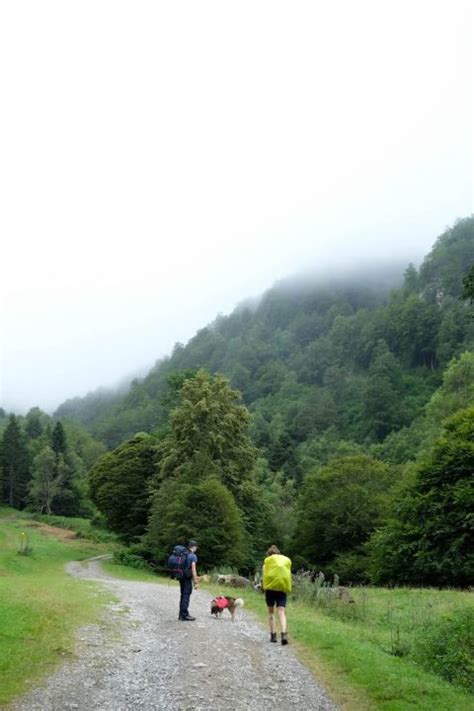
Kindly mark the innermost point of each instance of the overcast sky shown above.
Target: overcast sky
(162, 161)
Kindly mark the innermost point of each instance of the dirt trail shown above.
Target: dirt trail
(141, 657)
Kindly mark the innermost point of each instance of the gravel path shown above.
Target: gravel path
(141, 657)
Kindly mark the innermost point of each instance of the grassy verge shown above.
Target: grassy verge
(354, 656)
(40, 605)
(125, 572)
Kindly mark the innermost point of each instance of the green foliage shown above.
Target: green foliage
(260, 515)
(447, 649)
(58, 439)
(83, 445)
(382, 401)
(428, 537)
(449, 261)
(206, 511)
(468, 284)
(208, 434)
(24, 441)
(132, 557)
(307, 358)
(47, 479)
(207, 457)
(119, 485)
(457, 390)
(328, 368)
(34, 423)
(339, 507)
(411, 284)
(14, 464)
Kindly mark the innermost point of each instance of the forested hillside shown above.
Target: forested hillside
(324, 365)
(334, 416)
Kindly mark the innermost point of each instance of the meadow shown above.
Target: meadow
(41, 606)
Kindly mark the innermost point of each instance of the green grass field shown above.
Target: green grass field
(40, 605)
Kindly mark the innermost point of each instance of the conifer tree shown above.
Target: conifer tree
(208, 434)
(33, 424)
(14, 463)
(58, 439)
(382, 402)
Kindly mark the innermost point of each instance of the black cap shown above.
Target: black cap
(192, 542)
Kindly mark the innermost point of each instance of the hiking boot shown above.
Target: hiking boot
(273, 637)
(284, 638)
(188, 618)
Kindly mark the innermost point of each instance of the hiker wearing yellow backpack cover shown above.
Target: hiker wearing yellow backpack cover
(276, 583)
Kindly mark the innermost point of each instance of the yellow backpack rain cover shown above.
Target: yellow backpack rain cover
(277, 573)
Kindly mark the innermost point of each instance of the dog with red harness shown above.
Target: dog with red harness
(223, 602)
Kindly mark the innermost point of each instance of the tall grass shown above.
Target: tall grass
(402, 620)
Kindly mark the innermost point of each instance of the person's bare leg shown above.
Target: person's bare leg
(282, 616)
(271, 622)
(283, 628)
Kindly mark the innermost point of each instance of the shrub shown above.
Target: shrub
(447, 649)
(351, 568)
(339, 507)
(132, 558)
(206, 511)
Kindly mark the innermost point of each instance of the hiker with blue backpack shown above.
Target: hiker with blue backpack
(182, 567)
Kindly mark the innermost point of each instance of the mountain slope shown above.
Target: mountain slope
(347, 358)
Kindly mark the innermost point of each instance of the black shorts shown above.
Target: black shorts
(275, 597)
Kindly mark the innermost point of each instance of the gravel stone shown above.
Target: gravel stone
(141, 657)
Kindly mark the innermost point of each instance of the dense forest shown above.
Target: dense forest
(44, 464)
(334, 416)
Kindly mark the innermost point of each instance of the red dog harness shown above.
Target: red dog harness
(221, 602)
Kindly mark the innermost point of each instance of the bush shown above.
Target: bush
(351, 568)
(339, 507)
(448, 648)
(131, 557)
(206, 511)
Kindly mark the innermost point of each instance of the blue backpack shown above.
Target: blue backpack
(178, 563)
